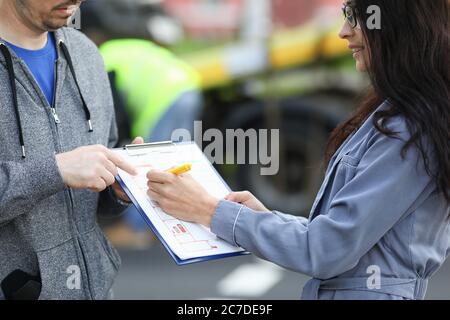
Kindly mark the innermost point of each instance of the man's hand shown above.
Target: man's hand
(91, 167)
(116, 186)
(247, 199)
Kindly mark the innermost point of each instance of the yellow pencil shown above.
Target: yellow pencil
(181, 169)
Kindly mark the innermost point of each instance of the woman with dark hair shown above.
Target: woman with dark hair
(380, 225)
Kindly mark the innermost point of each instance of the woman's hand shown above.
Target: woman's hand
(247, 199)
(181, 196)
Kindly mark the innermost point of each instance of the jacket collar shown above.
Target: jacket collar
(339, 154)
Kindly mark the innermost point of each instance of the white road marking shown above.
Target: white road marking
(251, 280)
(219, 298)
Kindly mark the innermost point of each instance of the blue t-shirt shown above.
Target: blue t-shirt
(41, 64)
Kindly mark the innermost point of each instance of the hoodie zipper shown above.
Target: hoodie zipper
(56, 118)
(53, 106)
(69, 190)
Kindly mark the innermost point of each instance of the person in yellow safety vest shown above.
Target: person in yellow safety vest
(161, 92)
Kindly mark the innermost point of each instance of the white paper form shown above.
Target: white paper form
(186, 240)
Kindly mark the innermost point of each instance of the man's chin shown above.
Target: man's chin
(55, 25)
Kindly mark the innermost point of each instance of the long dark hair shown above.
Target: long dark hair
(410, 66)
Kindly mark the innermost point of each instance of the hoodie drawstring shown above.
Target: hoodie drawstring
(12, 82)
(10, 68)
(72, 70)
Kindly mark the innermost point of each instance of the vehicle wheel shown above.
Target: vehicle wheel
(293, 188)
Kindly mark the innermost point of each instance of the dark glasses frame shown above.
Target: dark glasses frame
(350, 15)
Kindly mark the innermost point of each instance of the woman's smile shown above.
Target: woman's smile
(356, 50)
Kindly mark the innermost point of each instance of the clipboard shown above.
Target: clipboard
(193, 243)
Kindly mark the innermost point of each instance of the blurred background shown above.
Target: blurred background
(261, 64)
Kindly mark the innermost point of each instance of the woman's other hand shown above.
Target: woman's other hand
(247, 199)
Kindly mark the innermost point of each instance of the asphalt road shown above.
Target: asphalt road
(152, 274)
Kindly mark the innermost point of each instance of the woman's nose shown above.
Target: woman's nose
(346, 31)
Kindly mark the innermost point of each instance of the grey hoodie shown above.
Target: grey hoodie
(46, 228)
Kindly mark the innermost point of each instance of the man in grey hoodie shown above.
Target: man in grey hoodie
(56, 171)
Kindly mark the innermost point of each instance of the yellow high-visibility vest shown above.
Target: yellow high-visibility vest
(150, 77)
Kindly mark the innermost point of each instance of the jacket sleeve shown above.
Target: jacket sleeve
(25, 183)
(384, 189)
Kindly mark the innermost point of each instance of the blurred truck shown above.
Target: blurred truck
(263, 64)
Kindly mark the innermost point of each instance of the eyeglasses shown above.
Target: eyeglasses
(350, 15)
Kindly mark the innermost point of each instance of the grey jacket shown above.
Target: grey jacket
(378, 229)
(46, 228)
